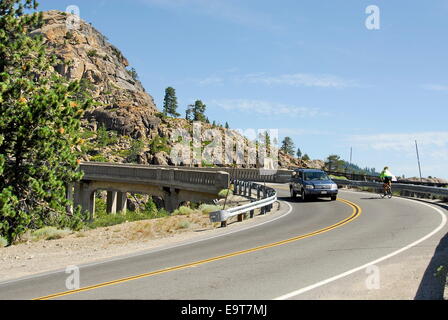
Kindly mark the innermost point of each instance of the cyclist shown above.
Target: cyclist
(386, 176)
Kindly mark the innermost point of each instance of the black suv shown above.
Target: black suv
(312, 183)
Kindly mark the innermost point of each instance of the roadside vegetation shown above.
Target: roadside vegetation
(40, 119)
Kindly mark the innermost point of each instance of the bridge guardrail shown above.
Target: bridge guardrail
(266, 196)
(413, 189)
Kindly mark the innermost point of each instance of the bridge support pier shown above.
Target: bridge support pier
(111, 202)
(122, 200)
(171, 199)
(85, 197)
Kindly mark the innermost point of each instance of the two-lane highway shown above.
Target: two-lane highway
(315, 241)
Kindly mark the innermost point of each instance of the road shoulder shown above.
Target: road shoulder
(46, 256)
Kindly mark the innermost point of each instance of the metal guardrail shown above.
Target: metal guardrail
(409, 188)
(266, 196)
(365, 177)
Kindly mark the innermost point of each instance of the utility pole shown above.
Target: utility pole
(418, 160)
(351, 152)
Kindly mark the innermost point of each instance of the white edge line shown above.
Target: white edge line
(342, 275)
(150, 251)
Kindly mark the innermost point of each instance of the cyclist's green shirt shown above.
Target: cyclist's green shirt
(385, 173)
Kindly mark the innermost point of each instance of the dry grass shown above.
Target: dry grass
(49, 233)
(140, 230)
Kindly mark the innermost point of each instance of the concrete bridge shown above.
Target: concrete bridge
(173, 185)
(252, 174)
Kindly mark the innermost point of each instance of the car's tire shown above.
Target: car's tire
(333, 198)
(293, 193)
(303, 196)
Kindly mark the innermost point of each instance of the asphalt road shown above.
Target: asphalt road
(314, 241)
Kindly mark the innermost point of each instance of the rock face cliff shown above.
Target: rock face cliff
(124, 125)
(124, 105)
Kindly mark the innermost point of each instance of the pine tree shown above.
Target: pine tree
(288, 146)
(170, 102)
(334, 163)
(299, 153)
(306, 157)
(39, 127)
(196, 111)
(227, 126)
(188, 114)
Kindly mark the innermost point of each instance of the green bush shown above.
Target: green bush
(133, 73)
(92, 53)
(223, 193)
(104, 137)
(87, 134)
(159, 144)
(183, 211)
(103, 219)
(135, 150)
(98, 158)
(3, 242)
(207, 208)
(183, 225)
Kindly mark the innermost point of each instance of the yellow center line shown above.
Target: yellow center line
(356, 213)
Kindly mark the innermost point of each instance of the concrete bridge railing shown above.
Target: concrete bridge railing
(252, 174)
(173, 185)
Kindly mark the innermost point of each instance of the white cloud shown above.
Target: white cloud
(402, 142)
(267, 108)
(211, 81)
(225, 10)
(299, 79)
(441, 154)
(301, 132)
(435, 87)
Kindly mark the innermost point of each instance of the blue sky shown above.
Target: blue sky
(308, 68)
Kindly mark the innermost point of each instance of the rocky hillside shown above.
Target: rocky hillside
(427, 180)
(125, 125)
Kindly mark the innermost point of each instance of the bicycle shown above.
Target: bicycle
(387, 191)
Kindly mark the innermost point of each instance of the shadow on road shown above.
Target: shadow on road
(432, 285)
(298, 199)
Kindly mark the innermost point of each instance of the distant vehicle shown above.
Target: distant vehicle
(310, 183)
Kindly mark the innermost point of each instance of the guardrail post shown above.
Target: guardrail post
(240, 217)
(223, 224)
(252, 212)
(235, 187)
